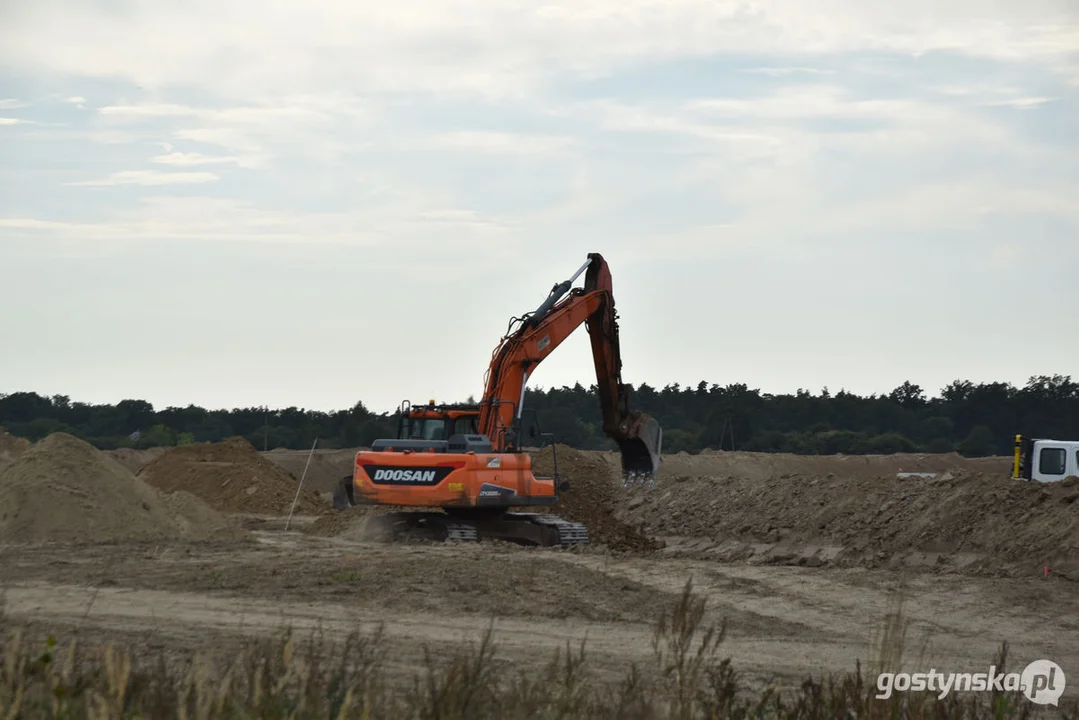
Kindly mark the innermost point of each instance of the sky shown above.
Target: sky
(239, 203)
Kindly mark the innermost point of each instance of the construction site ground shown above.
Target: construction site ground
(815, 606)
(783, 622)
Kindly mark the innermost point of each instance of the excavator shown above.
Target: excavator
(468, 464)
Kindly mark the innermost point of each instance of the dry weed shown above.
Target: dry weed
(347, 678)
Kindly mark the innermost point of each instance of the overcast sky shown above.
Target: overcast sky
(237, 203)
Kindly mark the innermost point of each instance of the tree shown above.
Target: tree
(978, 443)
(908, 395)
(975, 419)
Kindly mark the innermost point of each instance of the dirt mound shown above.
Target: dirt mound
(336, 522)
(199, 521)
(593, 498)
(761, 466)
(230, 476)
(325, 471)
(135, 460)
(11, 447)
(957, 520)
(351, 524)
(63, 489)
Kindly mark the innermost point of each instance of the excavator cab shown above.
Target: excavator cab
(435, 422)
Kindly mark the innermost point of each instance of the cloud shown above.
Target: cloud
(35, 224)
(191, 159)
(504, 142)
(489, 48)
(11, 103)
(245, 131)
(437, 232)
(814, 102)
(825, 151)
(149, 177)
(786, 71)
(140, 112)
(468, 219)
(436, 110)
(1022, 103)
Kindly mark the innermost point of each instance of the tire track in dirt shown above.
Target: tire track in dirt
(533, 643)
(611, 647)
(786, 622)
(958, 622)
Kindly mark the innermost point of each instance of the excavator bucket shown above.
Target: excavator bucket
(641, 447)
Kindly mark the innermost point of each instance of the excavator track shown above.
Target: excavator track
(523, 528)
(461, 532)
(569, 533)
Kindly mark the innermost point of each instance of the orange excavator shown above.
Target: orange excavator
(468, 463)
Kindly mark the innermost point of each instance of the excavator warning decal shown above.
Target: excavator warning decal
(543, 343)
(495, 462)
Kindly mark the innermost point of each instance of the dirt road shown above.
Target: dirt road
(784, 622)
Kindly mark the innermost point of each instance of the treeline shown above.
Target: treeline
(972, 419)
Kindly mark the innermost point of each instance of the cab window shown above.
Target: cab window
(428, 429)
(465, 425)
(1052, 461)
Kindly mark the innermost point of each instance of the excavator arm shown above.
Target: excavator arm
(532, 338)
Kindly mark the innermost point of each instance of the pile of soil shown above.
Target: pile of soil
(336, 522)
(199, 521)
(326, 469)
(761, 466)
(135, 460)
(351, 523)
(593, 498)
(230, 476)
(63, 489)
(11, 447)
(960, 519)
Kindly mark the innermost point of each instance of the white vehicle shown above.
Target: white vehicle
(1045, 460)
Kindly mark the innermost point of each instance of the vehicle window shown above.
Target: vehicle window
(434, 430)
(465, 425)
(1052, 461)
(415, 428)
(427, 429)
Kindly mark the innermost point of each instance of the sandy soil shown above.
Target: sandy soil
(803, 557)
(324, 471)
(783, 622)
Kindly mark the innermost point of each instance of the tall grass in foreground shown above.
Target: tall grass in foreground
(316, 678)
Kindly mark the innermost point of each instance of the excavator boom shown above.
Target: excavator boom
(536, 335)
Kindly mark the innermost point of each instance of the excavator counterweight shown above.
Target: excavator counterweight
(466, 464)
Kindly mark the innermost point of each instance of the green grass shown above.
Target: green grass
(286, 677)
(347, 576)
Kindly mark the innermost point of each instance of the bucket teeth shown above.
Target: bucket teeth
(640, 445)
(638, 479)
